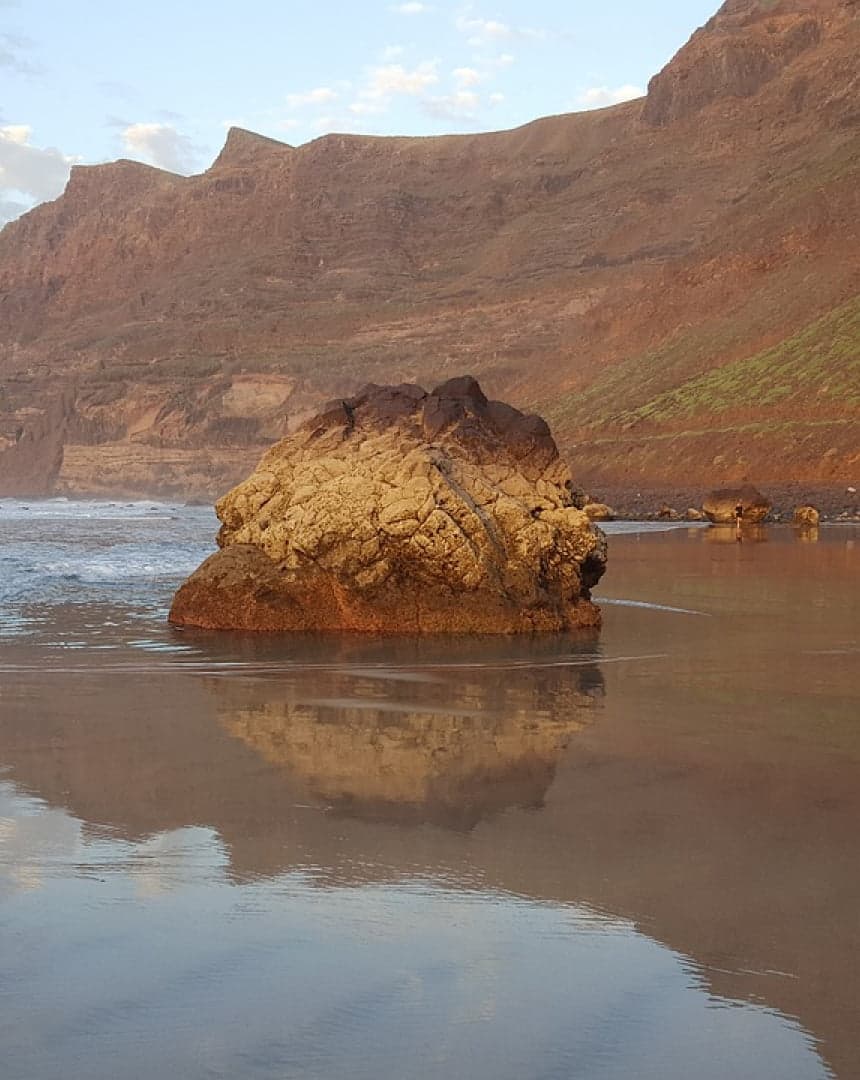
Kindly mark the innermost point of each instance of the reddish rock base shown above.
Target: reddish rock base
(240, 588)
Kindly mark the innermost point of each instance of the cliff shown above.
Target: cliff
(673, 282)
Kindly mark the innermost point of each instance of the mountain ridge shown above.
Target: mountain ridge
(585, 264)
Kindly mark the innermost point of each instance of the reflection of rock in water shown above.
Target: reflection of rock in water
(438, 751)
(806, 534)
(728, 534)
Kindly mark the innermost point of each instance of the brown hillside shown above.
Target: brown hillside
(673, 281)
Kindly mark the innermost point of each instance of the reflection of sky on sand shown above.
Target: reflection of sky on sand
(32, 838)
(40, 846)
(239, 885)
(407, 979)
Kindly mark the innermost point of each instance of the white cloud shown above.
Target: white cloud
(598, 97)
(161, 145)
(321, 95)
(410, 8)
(169, 116)
(496, 99)
(461, 105)
(466, 76)
(366, 108)
(483, 28)
(10, 209)
(11, 47)
(392, 52)
(113, 88)
(391, 80)
(17, 133)
(492, 31)
(34, 172)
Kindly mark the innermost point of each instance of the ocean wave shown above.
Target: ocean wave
(55, 576)
(121, 568)
(81, 575)
(94, 509)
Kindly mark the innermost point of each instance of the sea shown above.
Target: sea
(626, 855)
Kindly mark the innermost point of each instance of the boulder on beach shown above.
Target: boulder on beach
(399, 511)
(720, 506)
(806, 516)
(597, 511)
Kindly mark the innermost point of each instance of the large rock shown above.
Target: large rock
(399, 511)
(721, 506)
(806, 516)
(596, 511)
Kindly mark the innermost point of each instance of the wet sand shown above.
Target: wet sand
(632, 855)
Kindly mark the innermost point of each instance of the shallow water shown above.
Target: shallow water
(627, 856)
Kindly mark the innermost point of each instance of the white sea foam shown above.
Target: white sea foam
(648, 606)
(93, 509)
(128, 555)
(622, 527)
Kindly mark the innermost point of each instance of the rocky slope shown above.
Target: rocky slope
(674, 281)
(399, 511)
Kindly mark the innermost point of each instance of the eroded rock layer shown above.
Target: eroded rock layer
(673, 282)
(400, 511)
(31, 444)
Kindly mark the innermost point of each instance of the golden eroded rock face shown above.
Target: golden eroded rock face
(403, 512)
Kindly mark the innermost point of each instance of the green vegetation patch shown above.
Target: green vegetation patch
(819, 364)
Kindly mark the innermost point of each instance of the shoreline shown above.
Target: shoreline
(628, 503)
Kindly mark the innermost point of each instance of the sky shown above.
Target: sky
(161, 82)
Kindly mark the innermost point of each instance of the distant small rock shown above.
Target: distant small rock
(693, 514)
(721, 506)
(806, 516)
(599, 511)
(668, 513)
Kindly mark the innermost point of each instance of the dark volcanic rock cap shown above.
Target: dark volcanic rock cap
(457, 409)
